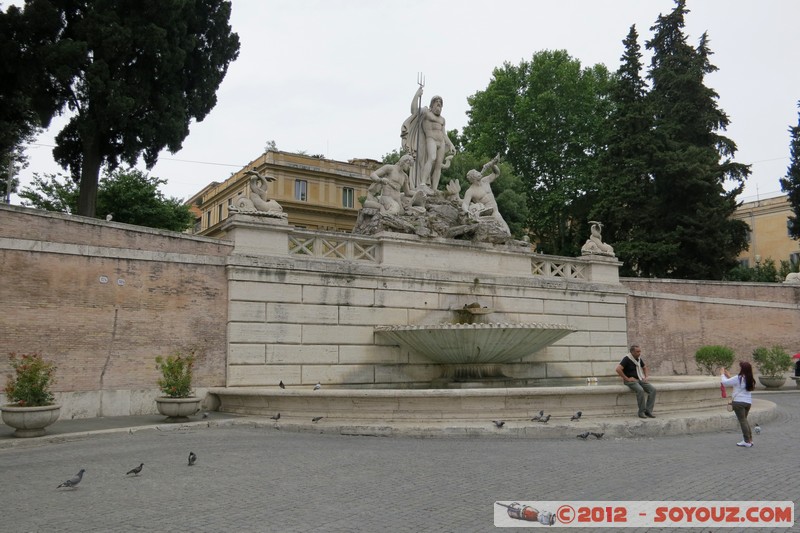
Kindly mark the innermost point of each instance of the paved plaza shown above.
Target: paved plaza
(256, 477)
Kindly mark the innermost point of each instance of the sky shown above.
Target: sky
(336, 77)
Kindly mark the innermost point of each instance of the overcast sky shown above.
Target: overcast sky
(336, 77)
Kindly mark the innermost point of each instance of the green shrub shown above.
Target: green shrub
(772, 362)
(710, 359)
(176, 375)
(30, 384)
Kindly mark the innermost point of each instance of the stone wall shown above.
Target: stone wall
(103, 299)
(304, 305)
(671, 319)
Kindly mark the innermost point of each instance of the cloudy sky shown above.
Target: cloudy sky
(336, 77)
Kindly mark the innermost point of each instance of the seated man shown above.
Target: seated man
(633, 372)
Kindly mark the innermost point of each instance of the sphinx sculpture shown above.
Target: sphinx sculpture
(257, 203)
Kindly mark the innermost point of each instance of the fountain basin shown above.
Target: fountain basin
(475, 344)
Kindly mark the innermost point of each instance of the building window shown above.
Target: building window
(794, 258)
(219, 213)
(300, 190)
(208, 218)
(744, 263)
(789, 227)
(348, 197)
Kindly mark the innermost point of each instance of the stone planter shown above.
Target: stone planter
(772, 382)
(30, 421)
(178, 409)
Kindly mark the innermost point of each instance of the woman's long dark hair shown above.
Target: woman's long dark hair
(746, 371)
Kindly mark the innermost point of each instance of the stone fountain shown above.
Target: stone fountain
(369, 316)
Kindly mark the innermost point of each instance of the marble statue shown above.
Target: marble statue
(595, 245)
(424, 136)
(479, 199)
(390, 191)
(792, 277)
(257, 202)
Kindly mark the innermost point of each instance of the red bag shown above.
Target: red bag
(723, 391)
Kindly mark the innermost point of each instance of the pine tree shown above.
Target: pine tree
(690, 229)
(791, 183)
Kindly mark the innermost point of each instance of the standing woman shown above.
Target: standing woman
(743, 384)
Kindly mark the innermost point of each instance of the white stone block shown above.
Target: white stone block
(375, 316)
(247, 311)
(296, 354)
(252, 333)
(302, 313)
(264, 292)
(247, 354)
(316, 334)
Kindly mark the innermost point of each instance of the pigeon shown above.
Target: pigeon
(576, 416)
(276, 417)
(583, 435)
(317, 418)
(538, 417)
(757, 429)
(73, 481)
(205, 414)
(110, 217)
(598, 435)
(135, 471)
(281, 385)
(317, 386)
(499, 423)
(544, 419)
(192, 458)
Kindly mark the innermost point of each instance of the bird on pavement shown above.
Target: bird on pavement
(583, 435)
(276, 417)
(317, 418)
(135, 471)
(544, 419)
(499, 423)
(598, 435)
(192, 458)
(73, 481)
(205, 414)
(281, 385)
(576, 416)
(538, 417)
(317, 386)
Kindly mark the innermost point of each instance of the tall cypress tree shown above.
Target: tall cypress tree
(791, 183)
(691, 225)
(625, 198)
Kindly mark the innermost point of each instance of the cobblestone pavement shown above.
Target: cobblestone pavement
(263, 479)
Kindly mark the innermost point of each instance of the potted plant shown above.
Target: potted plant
(31, 406)
(772, 364)
(178, 402)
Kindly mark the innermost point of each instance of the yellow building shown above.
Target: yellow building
(769, 233)
(315, 193)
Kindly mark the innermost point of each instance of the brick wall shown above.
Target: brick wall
(671, 319)
(102, 299)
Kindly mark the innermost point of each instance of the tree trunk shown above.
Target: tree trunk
(90, 174)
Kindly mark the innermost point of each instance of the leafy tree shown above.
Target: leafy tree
(130, 196)
(693, 234)
(147, 69)
(547, 117)
(791, 183)
(764, 272)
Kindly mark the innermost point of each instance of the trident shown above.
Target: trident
(421, 83)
